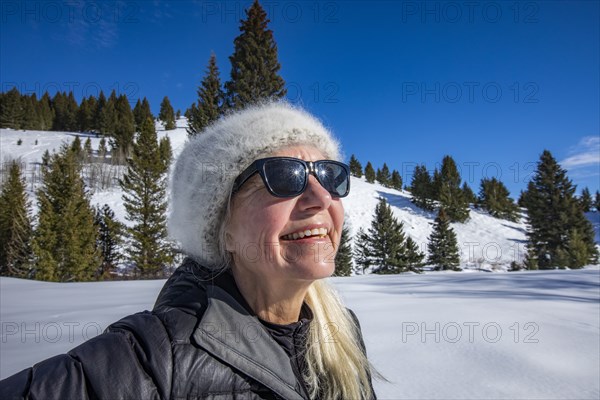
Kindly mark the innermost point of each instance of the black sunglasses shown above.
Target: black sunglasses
(288, 177)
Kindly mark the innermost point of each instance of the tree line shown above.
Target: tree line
(112, 117)
(559, 235)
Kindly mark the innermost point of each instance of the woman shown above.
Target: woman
(255, 204)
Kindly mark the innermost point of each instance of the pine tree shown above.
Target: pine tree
(209, 106)
(369, 173)
(15, 225)
(362, 252)
(110, 239)
(92, 105)
(144, 196)
(31, 118)
(167, 115)
(87, 150)
(165, 150)
(137, 115)
(146, 109)
(85, 114)
(575, 253)
(468, 194)
(65, 239)
(384, 245)
(11, 110)
(124, 126)
(494, 198)
(585, 201)
(70, 116)
(451, 196)
(555, 219)
(597, 201)
(442, 244)
(77, 149)
(141, 112)
(45, 112)
(343, 257)
(98, 114)
(413, 257)
(59, 107)
(421, 188)
(383, 175)
(396, 180)
(188, 113)
(530, 262)
(108, 114)
(355, 167)
(254, 64)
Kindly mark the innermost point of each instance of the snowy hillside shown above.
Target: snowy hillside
(521, 335)
(485, 242)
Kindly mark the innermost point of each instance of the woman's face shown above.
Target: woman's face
(261, 229)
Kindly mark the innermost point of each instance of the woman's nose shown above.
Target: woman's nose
(315, 196)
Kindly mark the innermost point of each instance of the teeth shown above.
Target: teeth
(322, 232)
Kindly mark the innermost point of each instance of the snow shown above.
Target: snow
(526, 335)
(533, 335)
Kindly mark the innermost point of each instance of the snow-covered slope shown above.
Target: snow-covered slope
(521, 335)
(485, 242)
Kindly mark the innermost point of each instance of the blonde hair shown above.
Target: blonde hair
(338, 367)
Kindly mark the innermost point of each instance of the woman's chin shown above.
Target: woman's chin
(311, 271)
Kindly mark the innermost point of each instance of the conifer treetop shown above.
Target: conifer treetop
(254, 64)
(210, 104)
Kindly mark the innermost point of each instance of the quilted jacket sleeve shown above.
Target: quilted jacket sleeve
(130, 360)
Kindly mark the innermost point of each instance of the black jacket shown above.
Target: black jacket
(201, 341)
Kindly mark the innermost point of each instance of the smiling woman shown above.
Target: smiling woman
(256, 206)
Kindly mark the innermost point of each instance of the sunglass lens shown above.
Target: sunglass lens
(333, 177)
(286, 178)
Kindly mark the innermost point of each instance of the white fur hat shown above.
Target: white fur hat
(204, 172)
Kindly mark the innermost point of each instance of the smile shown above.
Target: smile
(320, 232)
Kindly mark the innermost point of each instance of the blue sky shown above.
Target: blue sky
(491, 83)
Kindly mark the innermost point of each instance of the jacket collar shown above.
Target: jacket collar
(230, 333)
